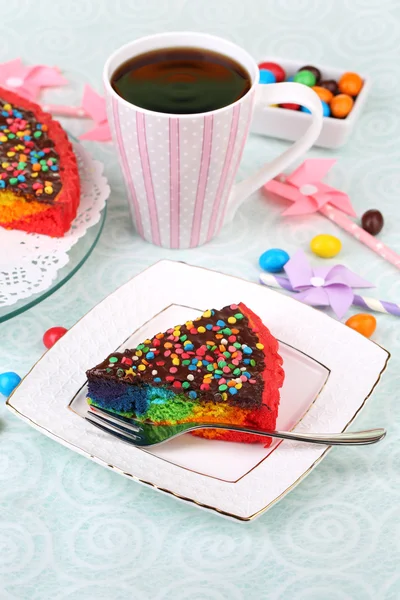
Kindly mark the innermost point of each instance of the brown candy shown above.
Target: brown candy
(330, 84)
(316, 72)
(372, 221)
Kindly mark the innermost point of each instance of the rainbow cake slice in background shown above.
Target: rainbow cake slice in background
(222, 367)
(39, 179)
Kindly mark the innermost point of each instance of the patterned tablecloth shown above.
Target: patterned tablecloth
(69, 529)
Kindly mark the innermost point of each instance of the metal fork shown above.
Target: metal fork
(148, 434)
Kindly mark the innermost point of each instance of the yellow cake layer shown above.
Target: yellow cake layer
(13, 207)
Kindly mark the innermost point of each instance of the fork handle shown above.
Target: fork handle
(351, 438)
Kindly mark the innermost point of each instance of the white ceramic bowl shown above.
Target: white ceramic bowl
(291, 124)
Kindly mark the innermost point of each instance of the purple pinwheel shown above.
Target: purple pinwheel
(323, 286)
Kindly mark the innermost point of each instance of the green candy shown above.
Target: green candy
(214, 348)
(226, 331)
(183, 338)
(113, 359)
(218, 372)
(237, 345)
(227, 354)
(185, 385)
(237, 372)
(238, 316)
(11, 136)
(231, 366)
(223, 387)
(253, 362)
(210, 368)
(45, 168)
(21, 165)
(140, 347)
(13, 180)
(37, 134)
(186, 362)
(305, 77)
(222, 363)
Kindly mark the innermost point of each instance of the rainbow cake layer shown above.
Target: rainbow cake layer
(39, 179)
(222, 367)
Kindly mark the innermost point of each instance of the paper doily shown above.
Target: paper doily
(30, 262)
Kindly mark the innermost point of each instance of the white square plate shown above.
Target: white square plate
(330, 372)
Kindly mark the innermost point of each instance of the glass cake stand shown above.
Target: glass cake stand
(78, 255)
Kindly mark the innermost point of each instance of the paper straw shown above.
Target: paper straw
(58, 110)
(336, 216)
(277, 281)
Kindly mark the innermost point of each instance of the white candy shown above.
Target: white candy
(154, 372)
(190, 377)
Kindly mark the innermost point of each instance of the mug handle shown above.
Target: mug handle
(279, 93)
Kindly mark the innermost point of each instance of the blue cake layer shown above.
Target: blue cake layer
(126, 398)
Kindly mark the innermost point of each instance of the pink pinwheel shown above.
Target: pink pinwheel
(28, 81)
(323, 286)
(94, 106)
(305, 188)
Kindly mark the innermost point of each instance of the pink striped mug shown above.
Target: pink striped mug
(180, 170)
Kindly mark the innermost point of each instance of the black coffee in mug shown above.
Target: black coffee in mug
(181, 80)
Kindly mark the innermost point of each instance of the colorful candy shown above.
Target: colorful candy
(290, 106)
(52, 336)
(267, 76)
(8, 382)
(351, 84)
(324, 94)
(305, 77)
(273, 260)
(341, 105)
(275, 69)
(325, 245)
(326, 111)
(363, 323)
(329, 84)
(372, 221)
(316, 72)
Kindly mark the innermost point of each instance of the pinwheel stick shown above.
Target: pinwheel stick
(59, 110)
(338, 217)
(277, 281)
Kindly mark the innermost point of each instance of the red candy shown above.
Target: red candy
(275, 69)
(290, 106)
(52, 336)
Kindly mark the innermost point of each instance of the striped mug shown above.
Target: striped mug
(180, 170)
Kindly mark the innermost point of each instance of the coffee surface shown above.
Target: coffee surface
(181, 80)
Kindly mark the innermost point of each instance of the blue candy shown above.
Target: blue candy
(233, 391)
(267, 76)
(273, 260)
(150, 355)
(192, 395)
(220, 323)
(326, 111)
(291, 78)
(8, 382)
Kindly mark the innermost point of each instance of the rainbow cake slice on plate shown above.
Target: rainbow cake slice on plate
(39, 179)
(222, 367)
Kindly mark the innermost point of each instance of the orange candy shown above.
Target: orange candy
(323, 93)
(363, 323)
(350, 83)
(341, 105)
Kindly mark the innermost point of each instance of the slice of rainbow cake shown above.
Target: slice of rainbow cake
(222, 367)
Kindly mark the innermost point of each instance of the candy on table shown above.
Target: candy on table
(325, 245)
(372, 221)
(316, 72)
(326, 111)
(324, 94)
(341, 105)
(305, 77)
(267, 76)
(329, 84)
(350, 83)
(274, 68)
(52, 336)
(273, 260)
(363, 323)
(8, 382)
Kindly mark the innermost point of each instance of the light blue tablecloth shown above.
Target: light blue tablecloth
(69, 529)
